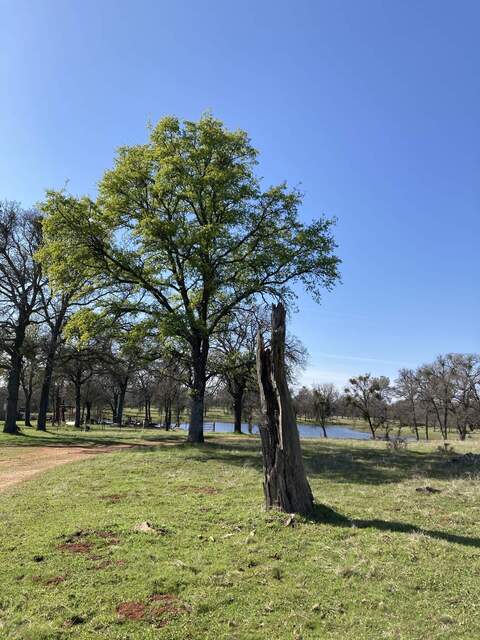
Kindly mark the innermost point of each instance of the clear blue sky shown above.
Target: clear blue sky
(372, 106)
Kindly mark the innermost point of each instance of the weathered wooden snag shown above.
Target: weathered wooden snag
(285, 482)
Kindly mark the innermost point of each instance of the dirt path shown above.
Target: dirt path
(30, 461)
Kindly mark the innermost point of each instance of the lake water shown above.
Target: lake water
(341, 432)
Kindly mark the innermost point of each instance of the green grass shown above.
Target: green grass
(379, 560)
(30, 437)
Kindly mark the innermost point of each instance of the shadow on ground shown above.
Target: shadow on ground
(342, 462)
(362, 464)
(82, 439)
(325, 515)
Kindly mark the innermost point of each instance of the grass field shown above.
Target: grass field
(378, 560)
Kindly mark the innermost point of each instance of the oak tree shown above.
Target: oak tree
(185, 220)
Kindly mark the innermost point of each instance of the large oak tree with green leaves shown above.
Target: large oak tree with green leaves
(185, 221)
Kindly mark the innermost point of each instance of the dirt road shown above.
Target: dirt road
(25, 462)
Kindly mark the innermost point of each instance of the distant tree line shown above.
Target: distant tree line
(443, 396)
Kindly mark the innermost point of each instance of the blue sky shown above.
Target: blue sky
(372, 107)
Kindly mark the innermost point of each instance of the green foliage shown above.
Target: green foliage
(182, 221)
(83, 327)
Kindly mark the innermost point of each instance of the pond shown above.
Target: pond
(341, 432)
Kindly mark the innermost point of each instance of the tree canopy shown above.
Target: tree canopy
(185, 224)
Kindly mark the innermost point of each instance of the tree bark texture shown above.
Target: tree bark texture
(199, 360)
(27, 385)
(14, 378)
(48, 372)
(121, 401)
(237, 410)
(78, 404)
(285, 482)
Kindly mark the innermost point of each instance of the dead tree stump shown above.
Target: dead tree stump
(285, 482)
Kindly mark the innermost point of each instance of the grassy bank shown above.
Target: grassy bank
(380, 560)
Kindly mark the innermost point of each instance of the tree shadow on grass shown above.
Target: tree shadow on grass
(338, 461)
(346, 462)
(325, 515)
(87, 439)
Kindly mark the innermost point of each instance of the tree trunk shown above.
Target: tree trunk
(27, 386)
(78, 404)
(48, 373)
(237, 411)
(55, 402)
(44, 395)
(14, 378)
(13, 391)
(195, 428)
(28, 404)
(322, 424)
(371, 427)
(88, 415)
(121, 401)
(114, 406)
(147, 414)
(177, 423)
(285, 482)
(168, 414)
(415, 424)
(199, 359)
(445, 421)
(52, 401)
(28, 412)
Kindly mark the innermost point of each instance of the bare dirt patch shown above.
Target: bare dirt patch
(86, 541)
(75, 547)
(26, 462)
(160, 609)
(108, 536)
(131, 610)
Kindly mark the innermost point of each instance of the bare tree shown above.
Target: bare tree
(54, 311)
(20, 283)
(407, 386)
(233, 355)
(370, 395)
(465, 402)
(437, 383)
(303, 402)
(32, 347)
(324, 399)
